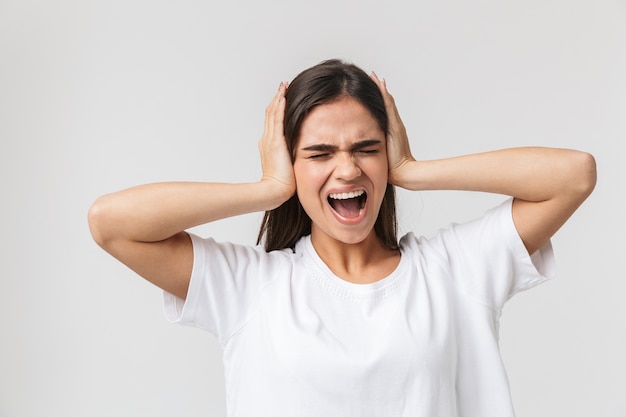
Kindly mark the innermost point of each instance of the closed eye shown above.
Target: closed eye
(319, 156)
(367, 147)
(323, 151)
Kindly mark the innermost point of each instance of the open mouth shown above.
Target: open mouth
(348, 205)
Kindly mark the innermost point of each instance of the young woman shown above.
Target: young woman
(334, 316)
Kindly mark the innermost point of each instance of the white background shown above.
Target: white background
(96, 96)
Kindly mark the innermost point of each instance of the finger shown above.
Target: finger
(374, 77)
(278, 106)
(270, 111)
(278, 97)
(282, 89)
(382, 86)
(273, 136)
(390, 103)
(279, 112)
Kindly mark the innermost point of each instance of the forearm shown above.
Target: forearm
(530, 174)
(154, 212)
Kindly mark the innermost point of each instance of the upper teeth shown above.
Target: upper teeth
(345, 196)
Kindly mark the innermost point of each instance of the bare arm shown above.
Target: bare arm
(548, 184)
(144, 226)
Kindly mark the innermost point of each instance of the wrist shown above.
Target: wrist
(275, 192)
(405, 175)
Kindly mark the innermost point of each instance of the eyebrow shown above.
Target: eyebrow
(322, 147)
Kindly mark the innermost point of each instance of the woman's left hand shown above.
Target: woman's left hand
(398, 149)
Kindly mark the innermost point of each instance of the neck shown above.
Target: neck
(361, 263)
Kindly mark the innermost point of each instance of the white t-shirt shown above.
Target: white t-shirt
(299, 341)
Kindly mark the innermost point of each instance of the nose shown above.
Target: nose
(347, 169)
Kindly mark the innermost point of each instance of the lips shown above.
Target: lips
(348, 204)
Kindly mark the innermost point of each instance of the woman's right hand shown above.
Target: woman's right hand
(144, 226)
(275, 158)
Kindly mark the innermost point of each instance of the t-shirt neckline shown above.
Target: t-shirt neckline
(335, 284)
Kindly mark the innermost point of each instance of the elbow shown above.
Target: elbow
(97, 220)
(587, 174)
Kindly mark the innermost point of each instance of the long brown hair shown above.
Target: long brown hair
(325, 82)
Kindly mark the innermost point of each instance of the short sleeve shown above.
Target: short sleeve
(224, 288)
(488, 260)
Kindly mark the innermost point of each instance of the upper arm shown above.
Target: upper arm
(167, 263)
(537, 221)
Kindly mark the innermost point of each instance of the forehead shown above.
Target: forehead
(342, 120)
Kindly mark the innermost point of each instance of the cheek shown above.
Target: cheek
(378, 170)
(300, 175)
(308, 184)
(308, 179)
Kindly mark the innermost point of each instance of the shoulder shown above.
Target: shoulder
(232, 249)
(237, 258)
(484, 257)
(494, 227)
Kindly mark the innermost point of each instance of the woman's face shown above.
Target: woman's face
(341, 170)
